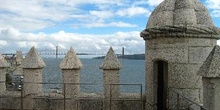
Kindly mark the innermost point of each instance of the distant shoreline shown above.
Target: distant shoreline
(130, 57)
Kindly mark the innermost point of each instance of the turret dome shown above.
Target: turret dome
(186, 18)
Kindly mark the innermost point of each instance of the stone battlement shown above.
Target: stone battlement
(31, 95)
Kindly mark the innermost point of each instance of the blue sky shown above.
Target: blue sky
(85, 25)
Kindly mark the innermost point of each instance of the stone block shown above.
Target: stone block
(179, 42)
(28, 102)
(198, 54)
(203, 18)
(161, 18)
(165, 6)
(179, 55)
(211, 93)
(201, 42)
(10, 103)
(166, 43)
(191, 94)
(208, 91)
(184, 16)
(32, 81)
(41, 103)
(184, 76)
(95, 104)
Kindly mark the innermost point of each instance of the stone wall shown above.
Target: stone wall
(184, 57)
(31, 96)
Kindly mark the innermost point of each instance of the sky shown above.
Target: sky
(91, 26)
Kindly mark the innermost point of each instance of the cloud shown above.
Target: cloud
(101, 14)
(213, 4)
(214, 7)
(35, 15)
(154, 2)
(17, 40)
(104, 24)
(133, 11)
(216, 13)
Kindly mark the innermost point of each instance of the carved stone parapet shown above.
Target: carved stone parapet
(181, 31)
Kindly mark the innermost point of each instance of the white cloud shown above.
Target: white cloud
(17, 40)
(213, 4)
(27, 16)
(3, 43)
(103, 24)
(214, 7)
(154, 2)
(216, 13)
(102, 14)
(133, 11)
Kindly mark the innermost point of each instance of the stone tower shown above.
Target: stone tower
(19, 58)
(111, 67)
(210, 72)
(71, 66)
(3, 65)
(179, 36)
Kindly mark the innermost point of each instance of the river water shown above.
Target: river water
(133, 72)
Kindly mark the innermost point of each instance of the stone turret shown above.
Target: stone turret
(19, 59)
(111, 67)
(210, 72)
(178, 36)
(3, 64)
(71, 66)
(32, 66)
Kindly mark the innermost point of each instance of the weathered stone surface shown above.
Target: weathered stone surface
(3, 65)
(211, 93)
(173, 5)
(173, 54)
(2, 80)
(198, 54)
(179, 42)
(111, 61)
(33, 60)
(191, 94)
(184, 4)
(195, 42)
(162, 18)
(180, 18)
(32, 81)
(179, 74)
(211, 66)
(71, 78)
(3, 62)
(71, 61)
(19, 57)
(48, 101)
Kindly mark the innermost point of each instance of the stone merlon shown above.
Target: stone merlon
(71, 61)
(33, 60)
(211, 66)
(3, 62)
(111, 61)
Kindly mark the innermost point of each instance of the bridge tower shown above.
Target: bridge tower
(179, 36)
(56, 52)
(123, 52)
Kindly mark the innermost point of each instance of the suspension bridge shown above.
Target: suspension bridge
(59, 52)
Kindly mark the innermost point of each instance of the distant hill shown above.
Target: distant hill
(131, 57)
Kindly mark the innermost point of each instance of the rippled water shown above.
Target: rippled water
(133, 72)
